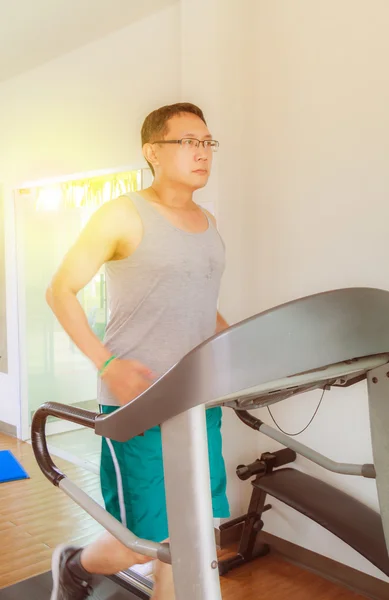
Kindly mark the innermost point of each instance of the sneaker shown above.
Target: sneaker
(145, 570)
(67, 586)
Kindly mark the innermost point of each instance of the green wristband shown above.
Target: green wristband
(105, 365)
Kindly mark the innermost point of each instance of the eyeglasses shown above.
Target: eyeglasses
(191, 143)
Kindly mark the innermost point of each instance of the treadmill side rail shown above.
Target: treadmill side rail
(121, 533)
(73, 414)
(365, 470)
(56, 477)
(189, 506)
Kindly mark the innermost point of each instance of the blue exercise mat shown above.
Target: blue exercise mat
(10, 468)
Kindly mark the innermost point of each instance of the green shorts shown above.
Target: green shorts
(132, 479)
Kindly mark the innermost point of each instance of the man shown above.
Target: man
(164, 260)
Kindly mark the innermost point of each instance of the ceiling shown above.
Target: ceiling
(33, 32)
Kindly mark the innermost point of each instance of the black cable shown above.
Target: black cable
(306, 427)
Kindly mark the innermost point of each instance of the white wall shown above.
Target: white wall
(10, 381)
(214, 75)
(321, 201)
(84, 110)
(81, 112)
(3, 317)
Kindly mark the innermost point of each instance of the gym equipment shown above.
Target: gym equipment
(347, 518)
(335, 338)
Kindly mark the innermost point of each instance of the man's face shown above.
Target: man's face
(185, 163)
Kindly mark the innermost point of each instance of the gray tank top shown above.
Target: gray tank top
(163, 298)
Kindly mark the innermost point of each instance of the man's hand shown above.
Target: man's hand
(126, 379)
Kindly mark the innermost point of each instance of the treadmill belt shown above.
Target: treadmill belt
(39, 588)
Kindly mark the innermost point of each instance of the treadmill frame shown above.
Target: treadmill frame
(192, 548)
(346, 327)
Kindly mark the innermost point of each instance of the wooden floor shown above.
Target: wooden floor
(35, 517)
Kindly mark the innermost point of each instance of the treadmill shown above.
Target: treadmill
(336, 338)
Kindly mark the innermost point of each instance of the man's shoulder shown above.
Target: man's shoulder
(116, 218)
(120, 203)
(121, 207)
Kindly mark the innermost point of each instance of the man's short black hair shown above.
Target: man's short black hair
(155, 125)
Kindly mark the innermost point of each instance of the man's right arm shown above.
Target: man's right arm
(96, 245)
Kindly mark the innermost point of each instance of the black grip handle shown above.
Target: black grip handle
(267, 462)
(38, 433)
(245, 472)
(284, 457)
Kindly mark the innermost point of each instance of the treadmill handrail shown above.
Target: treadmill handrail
(73, 414)
(59, 479)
